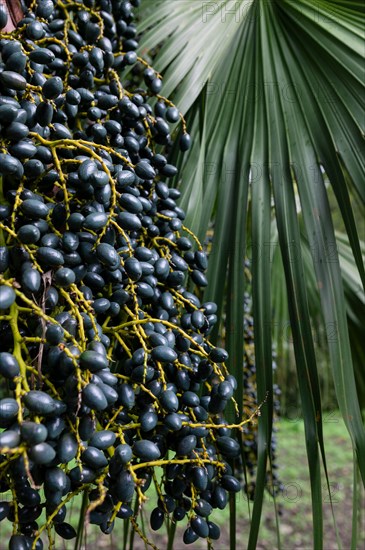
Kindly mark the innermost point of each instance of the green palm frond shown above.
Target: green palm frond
(273, 92)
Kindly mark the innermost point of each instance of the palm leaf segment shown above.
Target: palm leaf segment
(273, 92)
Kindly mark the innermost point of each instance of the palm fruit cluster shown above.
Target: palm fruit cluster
(108, 370)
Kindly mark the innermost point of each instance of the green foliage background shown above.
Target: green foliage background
(273, 95)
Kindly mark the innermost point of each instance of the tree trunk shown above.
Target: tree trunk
(15, 12)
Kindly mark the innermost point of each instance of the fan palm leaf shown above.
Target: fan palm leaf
(273, 94)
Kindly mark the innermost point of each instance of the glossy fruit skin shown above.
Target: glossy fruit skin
(173, 421)
(231, 484)
(65, 530)
(200, 478)
(67, 448)
(203, 508)
(33, 432)
(146, 450)
(125, 487)
(220, 498)
(9, 366)
(11, 166)
(185, 142)
(169, 400)
(7, 297)
(200, 527)
(4, 258)
(107, 255)
(103, 439)
(34, 208)
(42, 56)
(39, 402)
(218, 355)
(64, 277)
(52, 87)
(9, 439)
(3, 17)
(4, 509)
(179, 513)
(50, 256)
(163, 354)
(18, 542)
(13, 80)
(93, 361)
(54, 334)
(94, 458)
(55, 479)
(95, 221)
(9, 409)
(148, 420)
(123, 453)
(94, 397)
(228, 446)
(156, 519)
(42, 453)
(190, 399)
(29, 234)
(190, 536)
(144, 170)
(186, 445)
(31, 280)
(214, 530)
(126, 396)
